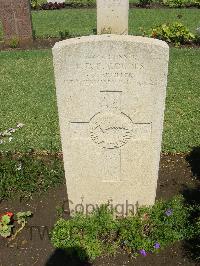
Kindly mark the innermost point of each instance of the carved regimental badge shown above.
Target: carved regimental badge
(111, 130)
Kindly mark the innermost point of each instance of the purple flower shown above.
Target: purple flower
(157, 245)
(169, 212)
(143, 252)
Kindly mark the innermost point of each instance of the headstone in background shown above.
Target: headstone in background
(112, 16)
(111, 99)
(56, 1)
(16, 19)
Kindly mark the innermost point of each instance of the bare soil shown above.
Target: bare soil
(48, 43)
(178, 174)
(131, 6)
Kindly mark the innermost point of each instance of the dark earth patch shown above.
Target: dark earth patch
(178, 174)
(93, 6)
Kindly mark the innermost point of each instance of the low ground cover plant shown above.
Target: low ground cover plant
(80, 3)
(52, 6)
(40, 4)
(175, 33)
(37, 5)
(147, 231)
(175, 3)
(145, 3)
(181, 3)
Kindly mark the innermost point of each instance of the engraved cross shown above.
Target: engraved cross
(111, 129)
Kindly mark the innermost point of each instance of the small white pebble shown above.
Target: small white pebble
(11, 130)
(20, 125)
(19, 167)
(6, 133)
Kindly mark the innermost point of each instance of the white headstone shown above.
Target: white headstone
(112, 16)
(56, 1)
(111, 99)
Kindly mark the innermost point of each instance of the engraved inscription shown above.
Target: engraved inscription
(104, 71)
(111, 130)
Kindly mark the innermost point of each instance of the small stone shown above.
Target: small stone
(20, 125)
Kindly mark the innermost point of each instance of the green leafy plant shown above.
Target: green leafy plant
(21, 218)
(65, 35)
(80, 3)
(144, 3)
(7, 223)
(163, 223)
(35, 4)
(87, 236)
(175, 3)
(181, 3)
(175, 33)
(151, 229)
(14, 43)
(195, 3)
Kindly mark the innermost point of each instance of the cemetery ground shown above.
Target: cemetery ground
(32, 171)
(83, 22)
(179, 173)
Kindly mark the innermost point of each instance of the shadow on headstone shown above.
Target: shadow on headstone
(192, 196)
(68, 257)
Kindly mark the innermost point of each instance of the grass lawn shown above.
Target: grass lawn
(27, 95)
(83, 21)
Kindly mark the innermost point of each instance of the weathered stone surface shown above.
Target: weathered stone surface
(111, 98)
(16, 19)
(112, 16)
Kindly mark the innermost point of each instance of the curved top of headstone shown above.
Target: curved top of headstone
(111, 37)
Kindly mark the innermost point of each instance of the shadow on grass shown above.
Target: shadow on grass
(194, 160)
(68, 257)
(192, 196)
